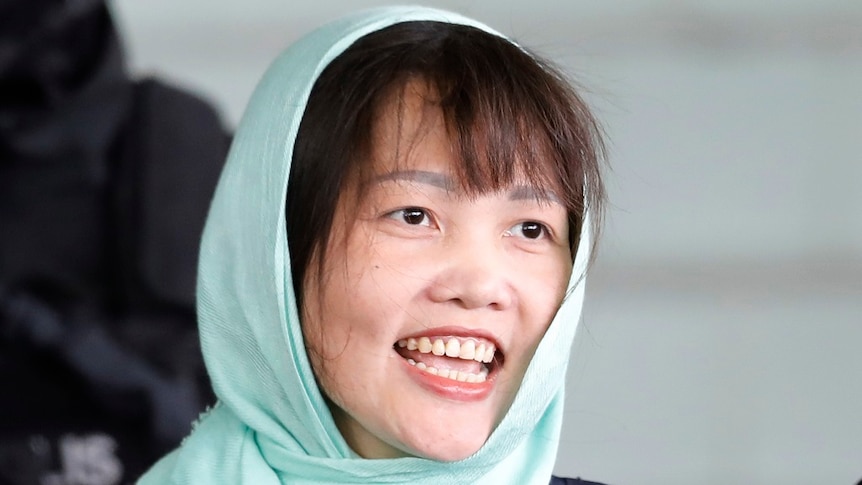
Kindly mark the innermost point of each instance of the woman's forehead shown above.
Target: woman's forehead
(412, 133)
(406, 112)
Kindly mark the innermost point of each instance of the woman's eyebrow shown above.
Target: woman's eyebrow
(435, 179)
(443, 181)
(526, 192)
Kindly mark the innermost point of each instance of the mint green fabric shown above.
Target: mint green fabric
(271, 424)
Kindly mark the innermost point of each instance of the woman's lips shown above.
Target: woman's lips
(454, 363)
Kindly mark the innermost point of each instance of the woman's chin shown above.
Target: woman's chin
(448, 450)
(436, 443)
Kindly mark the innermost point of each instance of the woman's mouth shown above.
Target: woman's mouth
(459, 359)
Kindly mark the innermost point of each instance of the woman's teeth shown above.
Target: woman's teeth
(453, 374)
(467, 350)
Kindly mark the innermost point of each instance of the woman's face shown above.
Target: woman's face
(431, 302)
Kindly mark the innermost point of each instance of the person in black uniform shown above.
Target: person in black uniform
(104, 185)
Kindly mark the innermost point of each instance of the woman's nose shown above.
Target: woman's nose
(474, 277)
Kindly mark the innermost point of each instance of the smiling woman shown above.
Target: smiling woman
(418, 261)
(393, 267)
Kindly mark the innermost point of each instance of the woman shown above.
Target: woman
(392, 270)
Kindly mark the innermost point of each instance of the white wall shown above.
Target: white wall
(722, 336)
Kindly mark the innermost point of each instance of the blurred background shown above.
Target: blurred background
(722, 333)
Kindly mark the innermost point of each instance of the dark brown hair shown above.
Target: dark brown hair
(508, 113)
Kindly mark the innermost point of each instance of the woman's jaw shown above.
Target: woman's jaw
(449, 401)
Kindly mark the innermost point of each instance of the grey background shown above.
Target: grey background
(722, 332)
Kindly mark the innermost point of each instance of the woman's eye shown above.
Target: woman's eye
(413, 216)
(528, 230)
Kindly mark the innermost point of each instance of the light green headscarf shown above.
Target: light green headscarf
(271, 424)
